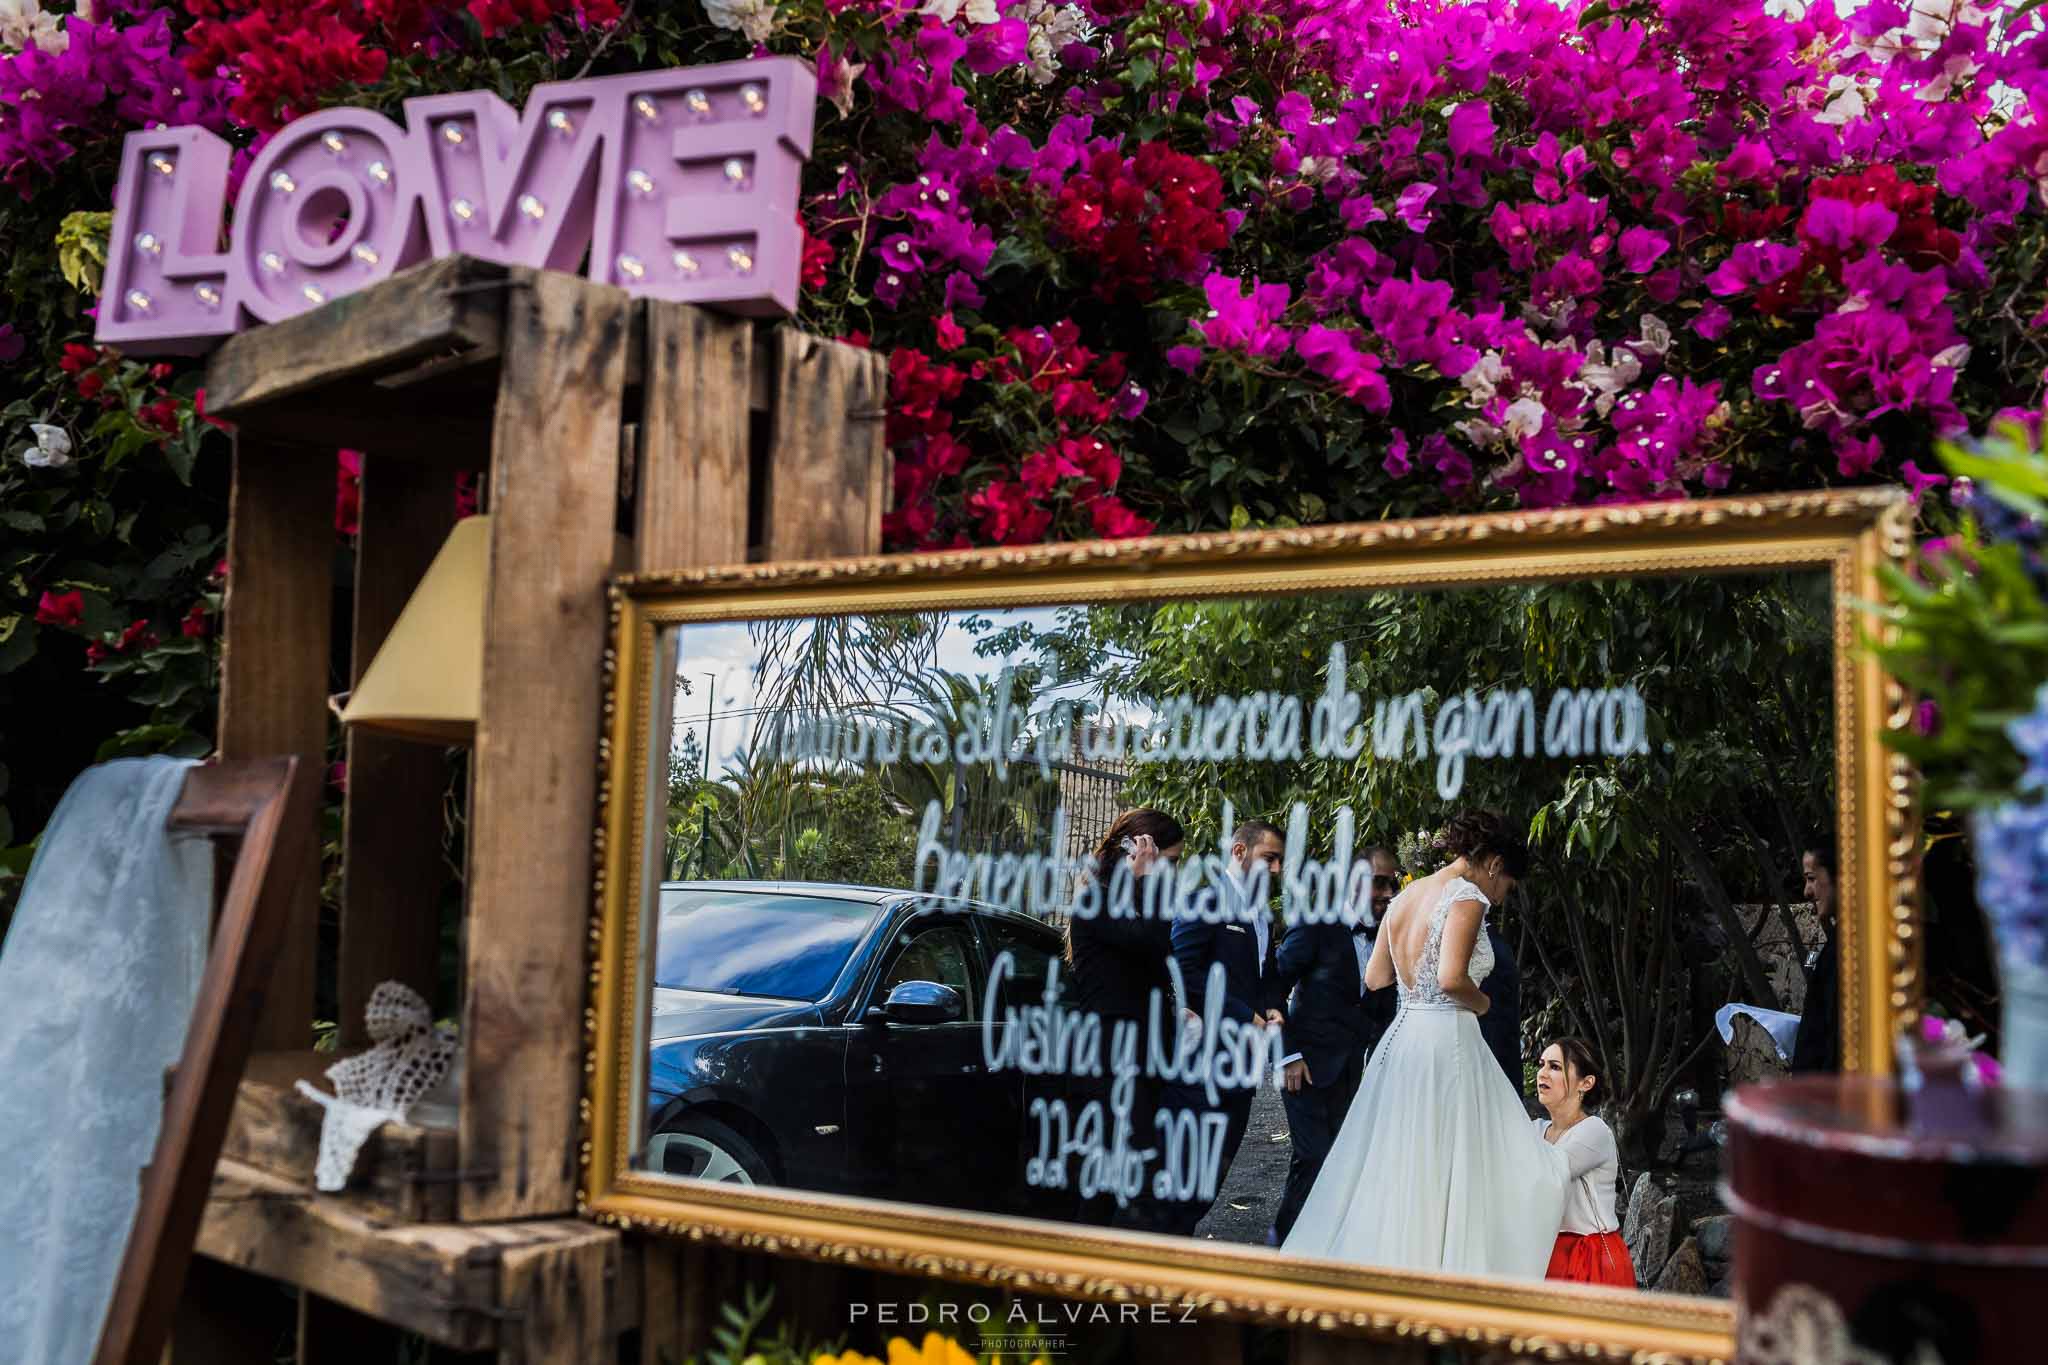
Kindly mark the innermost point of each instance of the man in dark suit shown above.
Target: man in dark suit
(1243, 944)
(1501, 1025)
(1332, 1023)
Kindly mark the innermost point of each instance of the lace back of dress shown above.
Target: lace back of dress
(1428, 988)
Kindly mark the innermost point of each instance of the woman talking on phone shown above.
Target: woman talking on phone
(1116, 962)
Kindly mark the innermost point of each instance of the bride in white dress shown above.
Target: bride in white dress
(1436, 1166)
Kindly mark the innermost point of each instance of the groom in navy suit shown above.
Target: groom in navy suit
(1332, 1022)
(1246, 948)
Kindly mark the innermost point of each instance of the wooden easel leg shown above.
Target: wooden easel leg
(274, 675)
(230, 1317)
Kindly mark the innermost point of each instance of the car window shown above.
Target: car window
(756, 943)
(939, 952)
(1031, 958)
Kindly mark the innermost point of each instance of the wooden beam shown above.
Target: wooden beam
(273, 694)
(553, 500)
(444, 1281)
(826, 465)
(560, 1304)
(447, 307)
(393, 873)
(692, 469)
(278, 825)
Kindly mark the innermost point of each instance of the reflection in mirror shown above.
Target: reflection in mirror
(1411, 929)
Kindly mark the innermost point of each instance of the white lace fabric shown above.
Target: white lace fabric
(97, 982)
(408, 1057)
(1428, 991)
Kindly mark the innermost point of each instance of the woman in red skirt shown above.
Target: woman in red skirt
(1589, 1248)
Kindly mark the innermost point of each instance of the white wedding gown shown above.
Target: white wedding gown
(1437, 1166)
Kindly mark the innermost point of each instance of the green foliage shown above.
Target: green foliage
(1968, 629)
(864, 839)
(82, 248)
(742, 1338)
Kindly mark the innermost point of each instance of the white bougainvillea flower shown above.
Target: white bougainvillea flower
(755, 18)
(1523, 419)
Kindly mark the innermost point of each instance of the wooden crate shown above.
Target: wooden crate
(613, 434)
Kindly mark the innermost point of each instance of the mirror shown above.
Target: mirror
(1409, 925)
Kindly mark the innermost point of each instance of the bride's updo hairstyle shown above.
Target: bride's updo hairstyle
(1477, 835)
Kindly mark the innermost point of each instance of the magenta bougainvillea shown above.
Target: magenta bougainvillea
(1162, 264)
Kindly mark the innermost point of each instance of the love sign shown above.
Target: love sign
(678, 184)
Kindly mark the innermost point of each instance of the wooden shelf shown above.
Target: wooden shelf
(469, 1287)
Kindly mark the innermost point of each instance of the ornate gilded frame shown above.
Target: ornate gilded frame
(1848, 533)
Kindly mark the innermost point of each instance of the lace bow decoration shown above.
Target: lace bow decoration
(409, 1057)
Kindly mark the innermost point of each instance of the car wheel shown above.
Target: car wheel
(705, 1149)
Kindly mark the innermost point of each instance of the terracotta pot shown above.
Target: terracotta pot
(1868, 1238)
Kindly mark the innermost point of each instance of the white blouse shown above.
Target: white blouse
(1595, 1170)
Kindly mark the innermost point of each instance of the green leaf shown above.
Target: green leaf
(1143, 72)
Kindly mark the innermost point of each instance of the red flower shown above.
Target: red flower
(78, 358)
(195, 625)
(90, 384)
(220, 571)
(161, 415)
(1008, 516)
(138, 632)
(1114, 521)
(465, 495)
(1155, 217)
(282, 56)
(96, 653)
(199, 410)
(61, 609)
(818, 255)
(948, 332)
(160, 371)
(348, 491)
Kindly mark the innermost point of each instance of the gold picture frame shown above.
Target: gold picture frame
(1848, 533)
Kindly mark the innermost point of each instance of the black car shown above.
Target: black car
(829, 1038)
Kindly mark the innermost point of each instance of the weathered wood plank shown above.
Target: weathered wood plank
(692, 475)
(273, 695)
(560, 1303)
(392, 868)
(403, 1172)
(443, 307)
(826, 462)
(553, 493)
(441, 1280)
